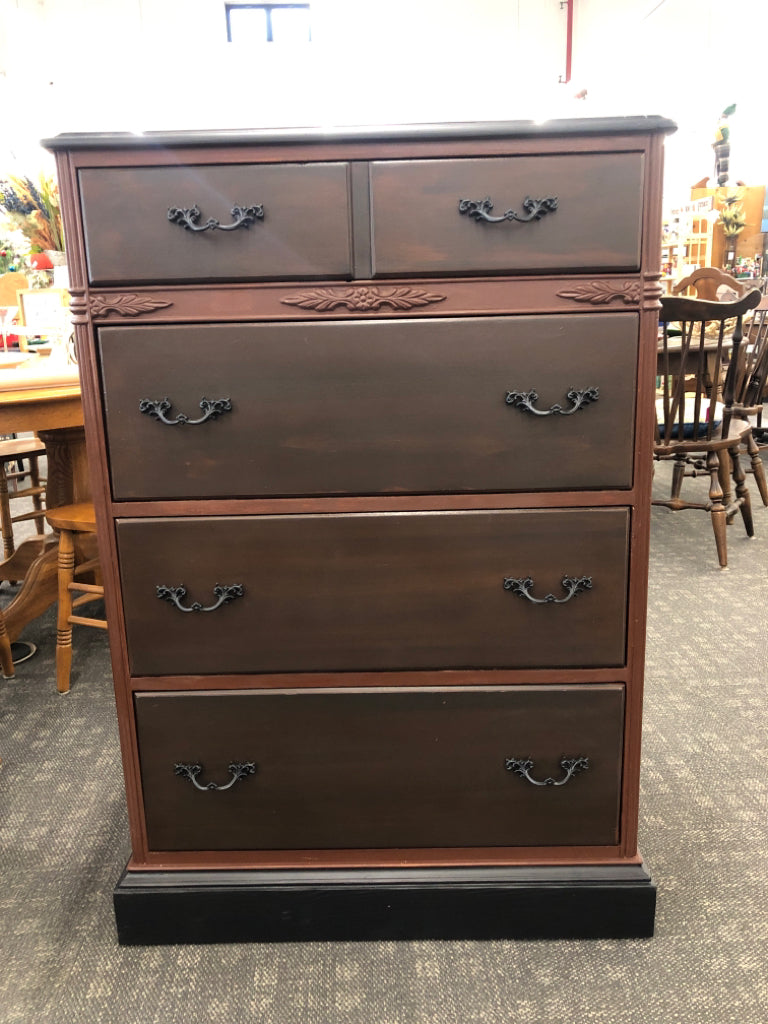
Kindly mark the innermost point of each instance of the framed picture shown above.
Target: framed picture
(43, 307)
(42, 311)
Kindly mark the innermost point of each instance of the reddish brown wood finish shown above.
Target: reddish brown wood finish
(388, 407)
(557, 291)
(373, 769)
(394, 591)
(372, 300)
(305, 230)
(418, 229)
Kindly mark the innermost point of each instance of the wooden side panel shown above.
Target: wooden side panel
(373, 769)
(376, 591)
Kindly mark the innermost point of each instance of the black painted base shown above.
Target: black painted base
(426, 903)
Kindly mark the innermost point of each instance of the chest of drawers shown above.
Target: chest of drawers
(369, 415)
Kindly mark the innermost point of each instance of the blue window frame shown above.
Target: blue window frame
(267, 23)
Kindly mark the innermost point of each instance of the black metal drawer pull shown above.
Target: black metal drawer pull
(534, 209)
(579, 399)
(570, 765)
(238, 770)
(157, 408)
(242, 217)
(523, 586)
(225, 594)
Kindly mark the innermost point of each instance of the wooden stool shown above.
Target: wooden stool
(70, 521)
(10, 452)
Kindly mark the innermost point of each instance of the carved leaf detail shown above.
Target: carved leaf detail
(361, 299)
(600, 292)
(125, 305)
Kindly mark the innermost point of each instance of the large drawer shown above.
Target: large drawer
(129, 236)
(375, 591)
(372, 768)
(418, 226)
(416, 406)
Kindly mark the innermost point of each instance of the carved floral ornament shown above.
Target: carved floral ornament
(598, 293)
(125, 305)
(361, 299)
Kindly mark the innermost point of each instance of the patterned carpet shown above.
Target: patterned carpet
(704, 834)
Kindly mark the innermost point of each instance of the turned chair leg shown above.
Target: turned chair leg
(63, 624)
(742, 492)
(678, 475)
(37, 499)
(5, 515)
(6, 658)
(717, 510)
(758, 470)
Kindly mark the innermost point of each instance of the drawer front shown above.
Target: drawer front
(416, 406)
(304, 230)
(419, 228)
(376, 769)
(375, 591)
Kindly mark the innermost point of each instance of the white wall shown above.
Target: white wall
(82, 65)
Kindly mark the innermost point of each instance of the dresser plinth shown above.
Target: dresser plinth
(346, 906)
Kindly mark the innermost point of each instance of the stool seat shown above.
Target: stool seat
(80, 518)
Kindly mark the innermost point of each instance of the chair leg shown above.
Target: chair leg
(725, 484)
(63, 625)
(742, 492)
(717, 510)
(678, 475)
(758, 470)
(37, 499)
(5, 515)
(6, 658)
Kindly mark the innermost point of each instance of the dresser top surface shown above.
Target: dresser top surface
(362, 133)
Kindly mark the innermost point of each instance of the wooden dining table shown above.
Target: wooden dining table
(44, 397)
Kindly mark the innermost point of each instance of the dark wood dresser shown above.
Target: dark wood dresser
(369, 415)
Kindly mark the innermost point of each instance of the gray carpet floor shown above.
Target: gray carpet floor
(703, 831)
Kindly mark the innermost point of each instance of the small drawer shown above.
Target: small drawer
(375, 591)
(419, 227)
(371, 769)
(414, 406)
(298, 224)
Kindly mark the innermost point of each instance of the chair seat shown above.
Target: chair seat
(20, 448)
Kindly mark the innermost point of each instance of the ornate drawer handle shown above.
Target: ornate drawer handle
(225, 594)
(238, 770)
(570, 765)
(522, 587)
(480, 209)
(157, 408)
(242, 217)
(579, 399)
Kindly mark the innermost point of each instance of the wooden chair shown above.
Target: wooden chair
(701, 427)
(76, 526)
(754, 346)
(705, 281)
(12, 451)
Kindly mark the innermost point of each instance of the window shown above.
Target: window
(268, 23)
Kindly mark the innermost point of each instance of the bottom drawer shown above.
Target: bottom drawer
(374, 768)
